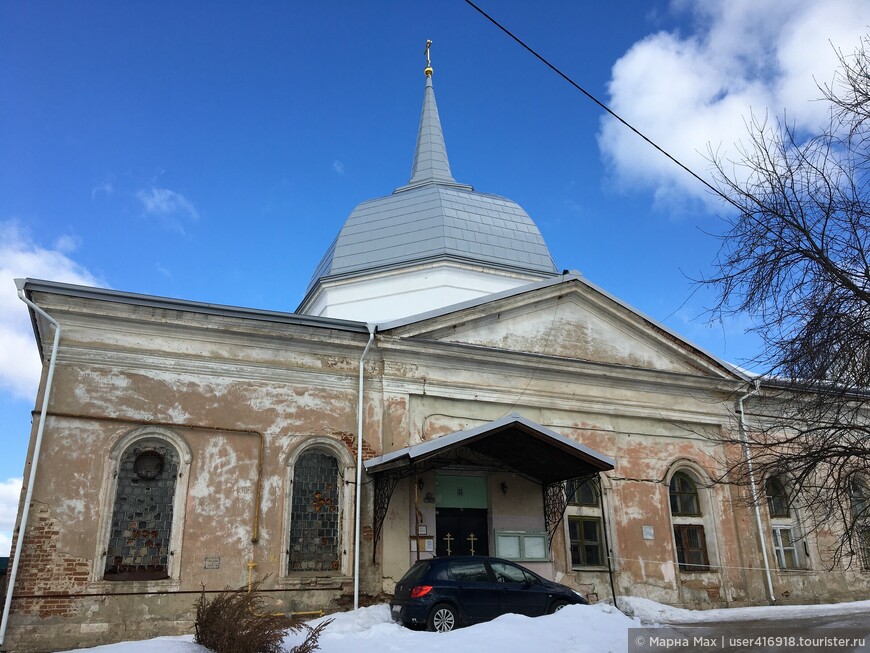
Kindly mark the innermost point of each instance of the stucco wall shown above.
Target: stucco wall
(242, 398)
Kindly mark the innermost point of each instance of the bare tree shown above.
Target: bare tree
(795, 259)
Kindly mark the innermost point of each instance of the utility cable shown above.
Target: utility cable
(602, 105)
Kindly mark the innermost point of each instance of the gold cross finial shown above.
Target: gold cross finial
(428, 70)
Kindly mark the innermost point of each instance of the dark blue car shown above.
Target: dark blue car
(444, 593)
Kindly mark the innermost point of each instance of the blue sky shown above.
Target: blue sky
(211, 150)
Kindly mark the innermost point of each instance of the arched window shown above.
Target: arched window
(582, 494)
(788, 545)
(142, 515)
(689, 536)
(684, 495)
(777, 497)
(315, 513)
(860, 495)
(585, 525)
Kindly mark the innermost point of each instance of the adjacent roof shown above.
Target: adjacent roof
(30, 286)
(519, 443)
(434, 217)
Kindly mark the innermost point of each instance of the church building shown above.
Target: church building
(444, 388)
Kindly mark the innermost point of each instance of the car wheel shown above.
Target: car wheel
(443, 618)
(556, 606)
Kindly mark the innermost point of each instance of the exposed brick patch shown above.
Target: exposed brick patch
(46, 570)
(349, 440)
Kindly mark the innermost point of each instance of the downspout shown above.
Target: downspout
(753, 489)
(359, 464)
(25, 512)
(607, 544)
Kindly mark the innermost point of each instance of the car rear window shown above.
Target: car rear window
(469, 571)
(416, 572)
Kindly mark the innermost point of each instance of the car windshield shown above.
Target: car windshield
(415, 572)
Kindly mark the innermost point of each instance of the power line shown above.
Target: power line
(600, 103)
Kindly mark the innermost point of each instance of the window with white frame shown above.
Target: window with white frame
(785, 547)
(788, 545)
(521, 545)
(585, 525)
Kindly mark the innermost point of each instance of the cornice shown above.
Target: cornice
(478, 358)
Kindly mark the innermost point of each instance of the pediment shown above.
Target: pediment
(574, 320)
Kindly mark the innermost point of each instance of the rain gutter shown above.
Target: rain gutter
(359, 465)
(25, 511)
(754, 489)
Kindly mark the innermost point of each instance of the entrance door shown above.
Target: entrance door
(461, 524)
(461, 531)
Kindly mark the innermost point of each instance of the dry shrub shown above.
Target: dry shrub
(234, 622)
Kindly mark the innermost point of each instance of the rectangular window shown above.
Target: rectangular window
(585, 536)
(691, 547)
(785, 547)
(521, 545)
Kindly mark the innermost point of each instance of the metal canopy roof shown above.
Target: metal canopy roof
(516, 442)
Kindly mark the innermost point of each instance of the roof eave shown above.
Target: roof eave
(167, 303)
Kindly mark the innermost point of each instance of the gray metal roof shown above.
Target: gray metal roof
(430, 154)
(434, 217)
(436, 221)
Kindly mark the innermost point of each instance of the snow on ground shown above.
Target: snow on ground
(576, 628)
(652, 613)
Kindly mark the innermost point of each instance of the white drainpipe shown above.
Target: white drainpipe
(359, 466)
(754, 490)
(25, 513)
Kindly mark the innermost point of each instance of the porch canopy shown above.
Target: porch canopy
(512, 443)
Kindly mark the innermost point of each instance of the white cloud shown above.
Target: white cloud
(338, 166)
(689, 90)
(67, 244)
(106, 188)
(10, 491)
(168, 206)
(21, 257)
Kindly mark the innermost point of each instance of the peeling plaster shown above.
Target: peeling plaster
(178, 414)
(271, 491)
(668, 573)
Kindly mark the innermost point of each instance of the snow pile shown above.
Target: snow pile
(651, 613)
(599, 628)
